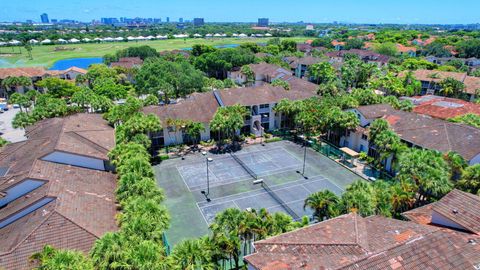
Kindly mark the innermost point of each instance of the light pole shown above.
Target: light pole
(262, 133)
(206, 194)
(304, 155)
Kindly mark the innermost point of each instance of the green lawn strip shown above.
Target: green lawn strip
(45, 55)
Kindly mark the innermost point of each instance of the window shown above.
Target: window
(264, 106)
(364, 137)
(25, 211)
(19, 190)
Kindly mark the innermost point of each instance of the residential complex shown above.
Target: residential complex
(201, 107)
(416, 130)
(442, 235)
(36, 74)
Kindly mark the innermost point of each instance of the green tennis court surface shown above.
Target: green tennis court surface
(231, 185)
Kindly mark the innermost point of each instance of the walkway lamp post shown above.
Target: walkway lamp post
(206, 194)
(305, 144)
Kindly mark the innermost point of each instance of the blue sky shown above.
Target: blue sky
(359, 11)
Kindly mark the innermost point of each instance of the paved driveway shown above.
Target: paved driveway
(8, 132)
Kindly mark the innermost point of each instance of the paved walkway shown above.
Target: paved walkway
(7, 131)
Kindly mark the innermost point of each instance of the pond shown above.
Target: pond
(76, 62)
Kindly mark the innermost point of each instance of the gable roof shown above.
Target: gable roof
(353, 242)
(198, 107)
(472, 84)
(22, 71)
(404, 49)
(461, 207)
(201, 107)
(276, 72)
(457, 206)
(365, 55)
(443, 107)
(428, 132)
(81, 198)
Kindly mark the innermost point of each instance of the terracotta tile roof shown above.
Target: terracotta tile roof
(353, 242)
(444, 108)
(420, 215)
(375, 111)
(201, 107)
(336, 42)
(457, 207)
(198, 107)
(472, 84)
(462, 208)
(272, 72)
(127, 62)
(404, 49)
(428, 132)
(260, 95)
(23, 71)
(76, 69)
(83, 206)
(363, 54)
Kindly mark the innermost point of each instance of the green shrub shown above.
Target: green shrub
(274, 139)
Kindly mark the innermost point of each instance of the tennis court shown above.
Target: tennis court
(231, 178)
(225, 169)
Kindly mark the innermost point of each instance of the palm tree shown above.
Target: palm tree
(144, 218)
(359, 197)
(324, 204)
(83, 98)
(192, 254)
(108, 251)
(50, 259)
(10, 82)
(428, 171)
(403, 197)
(470, 181)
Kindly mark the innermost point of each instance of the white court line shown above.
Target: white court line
(236, 180)
(183, 179)
(261, 192)
(204, 218)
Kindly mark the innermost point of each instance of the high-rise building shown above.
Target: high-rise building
(44, 18)
(180, 20)
(262, 22)
(168, 19)
(198, 21)
(109, 20)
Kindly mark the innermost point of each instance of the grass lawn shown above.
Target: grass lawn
(45, 55)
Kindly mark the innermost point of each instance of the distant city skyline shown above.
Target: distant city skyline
(317, 11)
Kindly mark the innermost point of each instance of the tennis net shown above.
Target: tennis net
(244, 166)
(281, 202)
